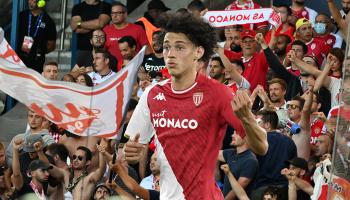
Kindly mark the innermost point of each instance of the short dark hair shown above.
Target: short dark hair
(302, 44)
(92, 34)
(288, 39)
(128, 39)
(199, 32)
(274, 191)
(279, 81)
(217, 58)
(59, 149)
(51, 63)
(269, 116)
(301, 101)
(88, 153)
(239, 63)
(88, 80)
(289, 10)
(112, 60)
(117, 3)
(339, 54)
(196, 5)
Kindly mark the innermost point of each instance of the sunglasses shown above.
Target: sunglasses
(80, 158)
(292, 106)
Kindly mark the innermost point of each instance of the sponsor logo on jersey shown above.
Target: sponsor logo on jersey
(197, 98)
(160, 97)
(175, 123)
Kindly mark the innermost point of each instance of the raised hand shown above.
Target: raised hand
(38, 146)
(225, 168)
(133, 150)
(291, 55)
(18, 143)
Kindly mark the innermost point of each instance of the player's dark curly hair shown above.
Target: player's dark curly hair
(200, 33)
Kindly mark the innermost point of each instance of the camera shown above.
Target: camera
(292, 127)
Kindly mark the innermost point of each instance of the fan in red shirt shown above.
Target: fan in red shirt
(247, 5)
(189, 114)
(323, 28)
(255, 63)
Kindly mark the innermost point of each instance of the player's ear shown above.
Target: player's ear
(199, 52)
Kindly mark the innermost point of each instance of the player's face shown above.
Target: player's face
(126, 51)
(236, 140)
(346, 5)
(294, 110)
(248, 46)
(284, 14)
(100, 62)
(276, 92)
(180, 54)
(298, 51)
(118, 15)
(34, 120)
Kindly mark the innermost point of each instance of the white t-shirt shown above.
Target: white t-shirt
(334, 88)
(98, 79)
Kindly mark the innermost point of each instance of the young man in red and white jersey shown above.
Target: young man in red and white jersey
(189, 114)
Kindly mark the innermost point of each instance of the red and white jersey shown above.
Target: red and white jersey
(307, 13)
(318, 49)
(189, 127)
(98, 79)
(247, 6)
(328, 39)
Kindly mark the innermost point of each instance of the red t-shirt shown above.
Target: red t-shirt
(255, 68)
(113, 35)
(328, 39)
(289, 33)
(316, 130)
(247, 6)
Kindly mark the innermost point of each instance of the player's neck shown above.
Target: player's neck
(121, 25)
(184, 82)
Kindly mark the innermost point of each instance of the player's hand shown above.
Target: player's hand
(133, 150)
(242, 105)
(225, 168)
(111, 185)
(89, 69)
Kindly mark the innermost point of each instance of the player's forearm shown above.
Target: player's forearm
(307, 67)
(256, 136)
(323, 79)
(228, 65)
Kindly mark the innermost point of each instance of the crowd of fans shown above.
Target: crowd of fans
(294, 75)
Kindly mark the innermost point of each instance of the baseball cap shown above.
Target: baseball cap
(30, 141)
(301, 22)
(104, 186)
(247, 33)
(299, 162)
(38, 164)
(157, 4)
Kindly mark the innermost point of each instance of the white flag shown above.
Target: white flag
(85, 111)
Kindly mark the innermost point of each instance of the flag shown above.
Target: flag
(82, 110)
(223, 18)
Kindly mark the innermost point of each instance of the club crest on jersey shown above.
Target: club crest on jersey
(197, 98)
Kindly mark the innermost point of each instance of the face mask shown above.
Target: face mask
(320, 28)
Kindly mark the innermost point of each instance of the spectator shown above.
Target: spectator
(50, 71)
(98, 38)
(301, 11)
(232, 38)
(280, 49)
(281, 149)
(337, 55)
(68, 78)
(217, 69)
(286, 28)
(196, 7)
(277, 92)
(154, 63)
(119, 28)
(35, 123)
(102, 192)
(300, 49)
(247, 5)
(255, 64)
(127, 47)
(236, 187)
(342, 19)
(323, 145)
(298, 188)
(84, 79)
(315, 47)
(151, 182)
(242, 163)
(88, 16)
(36, 36)
(102, 67)
(323, 27)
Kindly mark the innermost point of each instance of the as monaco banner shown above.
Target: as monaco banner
(235, 17)
(84, 111)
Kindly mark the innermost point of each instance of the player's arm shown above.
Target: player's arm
(235, 185)
(255, 136)
(139, 130)
(337, 17)
(94, 24)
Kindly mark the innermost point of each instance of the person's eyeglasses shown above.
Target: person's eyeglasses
(292, 106)
(80, 158)
(248, 41)
(118, 13)
(98, 36)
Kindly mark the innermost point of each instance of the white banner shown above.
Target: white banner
(234, 17)
(85, 111)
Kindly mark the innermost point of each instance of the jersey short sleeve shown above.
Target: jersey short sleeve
(140, 121)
